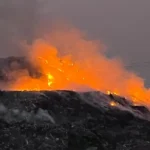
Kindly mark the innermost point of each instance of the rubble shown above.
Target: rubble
(74, 124)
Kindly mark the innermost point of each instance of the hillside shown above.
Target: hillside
(72, 121)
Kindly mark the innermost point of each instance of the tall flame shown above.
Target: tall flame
(68, 60)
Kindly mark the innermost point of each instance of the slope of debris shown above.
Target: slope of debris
(67, 120)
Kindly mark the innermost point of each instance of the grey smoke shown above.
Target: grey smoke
(12, 115)
(122, 25)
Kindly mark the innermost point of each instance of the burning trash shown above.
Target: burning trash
(65, 60)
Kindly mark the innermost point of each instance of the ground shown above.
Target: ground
(66, 120)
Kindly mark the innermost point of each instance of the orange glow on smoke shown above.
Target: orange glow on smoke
(69, 61)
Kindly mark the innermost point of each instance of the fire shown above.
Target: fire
(113, 104)
(113, 93)
(50, 79)
(69, 61)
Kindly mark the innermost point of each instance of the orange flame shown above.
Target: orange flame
(69, 61)
(114, 93)
(50, 79)
(113, 104)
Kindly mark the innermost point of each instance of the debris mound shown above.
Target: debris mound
(71, 121)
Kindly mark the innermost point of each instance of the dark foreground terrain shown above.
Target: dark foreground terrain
(65, 120)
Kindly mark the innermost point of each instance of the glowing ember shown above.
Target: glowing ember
(113, 104)
(113, 93)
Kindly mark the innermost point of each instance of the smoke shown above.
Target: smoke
(66, 59)
(14, 115)
(17, 22)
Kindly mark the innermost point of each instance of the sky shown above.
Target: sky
(123, 25)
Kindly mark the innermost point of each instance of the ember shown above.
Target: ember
(112, 103)
(114, 93)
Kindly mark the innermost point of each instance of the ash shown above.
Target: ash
(67, 120)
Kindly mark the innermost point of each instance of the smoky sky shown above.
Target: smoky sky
(123, 25)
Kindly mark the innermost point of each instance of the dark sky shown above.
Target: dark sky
(123, 25)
